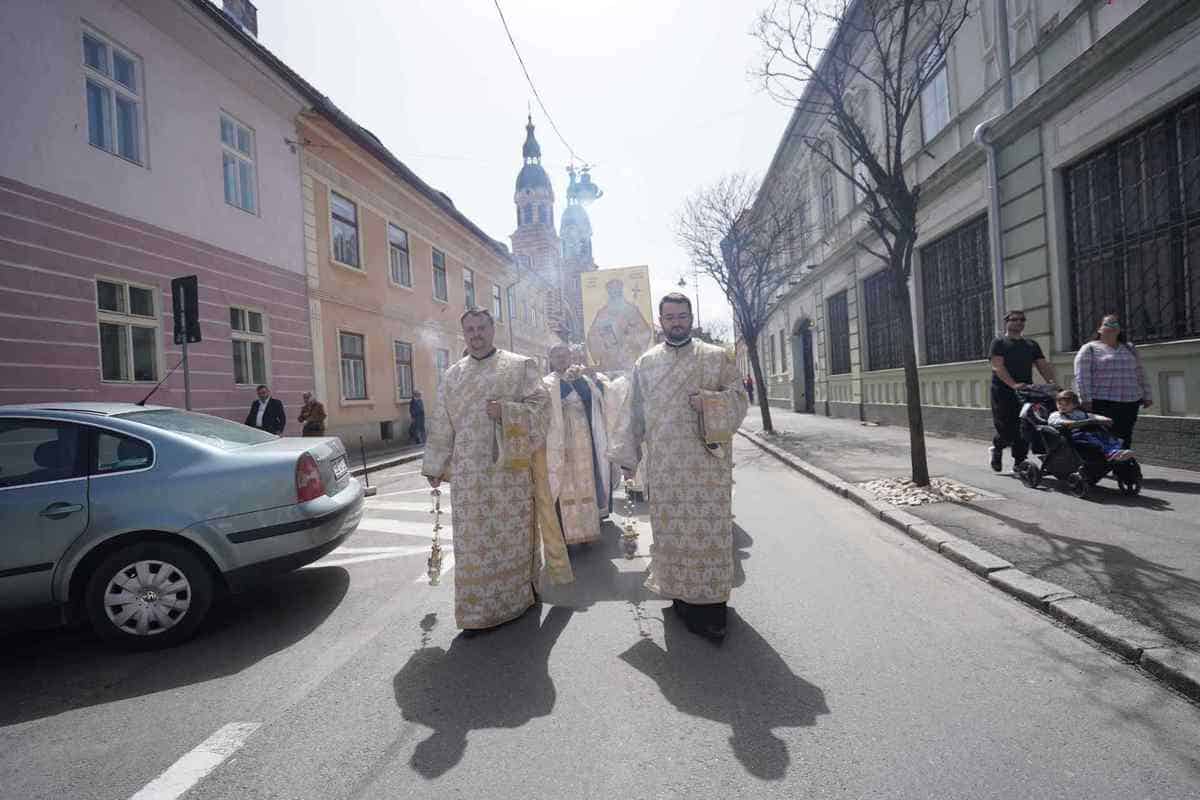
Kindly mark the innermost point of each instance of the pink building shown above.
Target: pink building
(143, 141)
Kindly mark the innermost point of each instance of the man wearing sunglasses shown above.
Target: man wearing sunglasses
(1013, 359)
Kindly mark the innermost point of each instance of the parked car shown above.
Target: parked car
(134, 517)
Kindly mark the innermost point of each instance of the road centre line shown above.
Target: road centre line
(197, 763)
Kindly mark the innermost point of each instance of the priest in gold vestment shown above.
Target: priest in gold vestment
(576, 448)
(484, 429)
(685, 402)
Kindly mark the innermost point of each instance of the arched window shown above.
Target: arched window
(528, 215)
(541, 213)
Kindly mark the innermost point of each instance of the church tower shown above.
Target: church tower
(535, 245)
(576, 237)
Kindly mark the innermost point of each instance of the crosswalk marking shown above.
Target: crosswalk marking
(424, 490)
(447, 565)
(347, 551)
(402, 527)
(392, 505)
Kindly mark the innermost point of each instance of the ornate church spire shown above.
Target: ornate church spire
(532, 151)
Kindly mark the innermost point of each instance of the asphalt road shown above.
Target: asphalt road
(858, 665)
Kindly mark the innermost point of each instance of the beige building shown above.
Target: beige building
(1089, 134)
(392, 265)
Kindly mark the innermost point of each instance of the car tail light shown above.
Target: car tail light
(309, 485)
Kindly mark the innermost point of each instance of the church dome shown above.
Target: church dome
(532, 176)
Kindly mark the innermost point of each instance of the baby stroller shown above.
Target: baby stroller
(1078, 467)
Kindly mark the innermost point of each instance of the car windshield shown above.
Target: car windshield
(215, 431)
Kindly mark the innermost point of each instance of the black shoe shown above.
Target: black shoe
(997, 458)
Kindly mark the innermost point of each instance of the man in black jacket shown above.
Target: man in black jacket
(266, 413)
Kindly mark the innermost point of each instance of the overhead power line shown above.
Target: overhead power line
(533, 88)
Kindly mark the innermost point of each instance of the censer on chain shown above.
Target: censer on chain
(435, 548)
(629, 534)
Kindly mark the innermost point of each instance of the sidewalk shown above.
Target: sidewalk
(382, 458)
(1137, 556)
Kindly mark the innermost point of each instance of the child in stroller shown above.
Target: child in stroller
(1076, 450)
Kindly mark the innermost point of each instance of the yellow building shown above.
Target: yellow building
(391, 266)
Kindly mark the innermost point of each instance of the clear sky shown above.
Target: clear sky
(655, 94)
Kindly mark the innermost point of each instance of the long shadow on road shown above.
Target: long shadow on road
(1155, 594)
(744, 684)
(457, 691)
(47, 673)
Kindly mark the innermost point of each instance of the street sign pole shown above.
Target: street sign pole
(187, 375)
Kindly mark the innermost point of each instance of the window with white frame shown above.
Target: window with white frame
(935, 97)
(343, 227)
(237, 164)
(247, 330)
(511, 298)
(113, 84)
(828, 202)
(497, 306)
(468, 288)
(127, 316)
(401, 268)
(352, 348)
(783, 362)
(442, 362)
(403, 353)
(440, 289)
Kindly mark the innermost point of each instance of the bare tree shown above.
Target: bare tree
(832, 60)
(718, 332)
(744, 238)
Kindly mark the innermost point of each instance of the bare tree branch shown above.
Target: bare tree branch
(834, 60)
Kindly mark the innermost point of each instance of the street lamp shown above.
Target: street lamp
(696, 286)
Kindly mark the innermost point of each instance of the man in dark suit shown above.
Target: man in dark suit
(266, 413)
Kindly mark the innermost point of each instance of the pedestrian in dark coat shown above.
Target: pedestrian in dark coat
(266, 413)
(416, 411)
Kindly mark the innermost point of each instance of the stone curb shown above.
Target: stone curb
(1151, 650)
(393, 461)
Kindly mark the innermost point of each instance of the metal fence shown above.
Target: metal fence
(883, 323)
(1133, 230)
(956, 284)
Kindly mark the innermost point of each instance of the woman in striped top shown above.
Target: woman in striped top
(1110, 379)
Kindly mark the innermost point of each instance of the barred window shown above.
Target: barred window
(1133, 230)
(883, 322)
(956, 281)
(838, 319)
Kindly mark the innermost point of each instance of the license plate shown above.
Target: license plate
(340, 469)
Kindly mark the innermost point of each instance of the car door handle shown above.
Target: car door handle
(59, 510)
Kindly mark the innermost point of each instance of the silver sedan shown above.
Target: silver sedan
(135, 517)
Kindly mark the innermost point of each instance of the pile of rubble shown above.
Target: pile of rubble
(903, 492)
